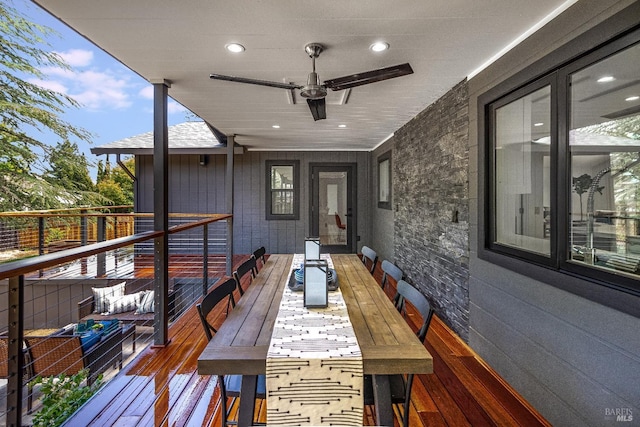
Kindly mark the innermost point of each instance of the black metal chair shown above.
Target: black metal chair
(259, 255)
(230, 385)
(389, 269)
(247, 267)
(401, 384)
(217, 294)
(369, 256)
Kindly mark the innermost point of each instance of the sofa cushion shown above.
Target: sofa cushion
(123, 303)
(100, 296)
(146, 304)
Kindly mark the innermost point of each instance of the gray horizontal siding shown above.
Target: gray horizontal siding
(586, 357)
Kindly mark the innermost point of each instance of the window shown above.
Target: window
(384, 181)
(283, 189)
(522, 169)
(562, 167)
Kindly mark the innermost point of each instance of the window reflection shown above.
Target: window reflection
(605, 164)
(522, 170)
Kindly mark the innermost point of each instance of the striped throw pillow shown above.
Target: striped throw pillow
(100, 296)
(146, 303)
(123, 303)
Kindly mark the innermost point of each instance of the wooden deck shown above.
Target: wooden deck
(162, 387)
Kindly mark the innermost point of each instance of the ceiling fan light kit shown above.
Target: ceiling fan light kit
(314, 91)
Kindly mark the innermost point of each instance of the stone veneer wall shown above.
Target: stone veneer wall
(431, 192)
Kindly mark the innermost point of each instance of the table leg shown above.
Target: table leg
(382, 398)
(247, 400)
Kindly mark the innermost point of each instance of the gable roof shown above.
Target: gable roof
(184, 138)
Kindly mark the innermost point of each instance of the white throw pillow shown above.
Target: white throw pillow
(146, 303)
(123, 303)
(100, 295)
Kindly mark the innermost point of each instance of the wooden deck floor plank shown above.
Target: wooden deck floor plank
(446, 406)
(203, 412)
(519, 409)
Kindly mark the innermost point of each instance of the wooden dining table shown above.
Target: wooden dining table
(387, 343)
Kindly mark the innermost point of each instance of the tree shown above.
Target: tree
(581, 185)
(114, 184)
(69, 169)
(24, 108)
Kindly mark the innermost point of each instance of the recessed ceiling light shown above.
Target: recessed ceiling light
(606, 79)
(276, 126)
(379, 46)
(632, 98)
(342, 126)
(538, 124)
(235, 47)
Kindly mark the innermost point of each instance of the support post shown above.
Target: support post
(161, 212)
(229, 190)
(16, 359)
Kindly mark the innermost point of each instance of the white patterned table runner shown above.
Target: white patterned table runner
(314, 363)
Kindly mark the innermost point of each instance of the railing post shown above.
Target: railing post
(83, 239)
(115, 236)
(16, 360)
(40, 239)
(205, 259)
(101, 258)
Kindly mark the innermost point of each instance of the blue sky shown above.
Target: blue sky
(116, 102)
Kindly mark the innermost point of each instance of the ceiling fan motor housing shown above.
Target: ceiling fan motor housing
(313, 89)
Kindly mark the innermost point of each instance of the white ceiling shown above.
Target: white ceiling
(184, 41)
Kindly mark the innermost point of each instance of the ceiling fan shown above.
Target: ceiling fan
(314, 91)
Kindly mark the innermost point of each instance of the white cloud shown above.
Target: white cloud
(77, 57)
(146, 92)
(94, 89)
(172, 106)
(50, 85)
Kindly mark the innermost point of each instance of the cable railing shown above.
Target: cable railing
(92, 308)
(30, 233)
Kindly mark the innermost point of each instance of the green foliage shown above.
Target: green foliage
(115, 185)
(69, 170)
(26, 107)
(61, 396)
(54, 235)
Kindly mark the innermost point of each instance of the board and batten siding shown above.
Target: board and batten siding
(194, 189)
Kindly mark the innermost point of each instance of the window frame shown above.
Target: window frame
(385, 157)
(598, 285)
(490, 238)
(269, 215)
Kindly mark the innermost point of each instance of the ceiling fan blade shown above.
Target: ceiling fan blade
(318, 108)
(254, 81)
(367, 77)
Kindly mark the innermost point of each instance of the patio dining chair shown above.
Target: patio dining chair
(248, 267)
(229, 384)
(369, 256)
(390, 270)
(259, 255)
(401, 384)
